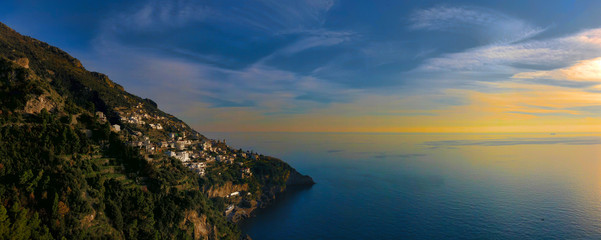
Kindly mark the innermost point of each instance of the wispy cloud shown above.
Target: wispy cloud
(543, 114)
(277, 65)
(585, 70)
(581, 110)
(487, 23)
(156, 14)
(519, 141)
(507, 58)
(321, 39)
(280, 29)
(266, 15)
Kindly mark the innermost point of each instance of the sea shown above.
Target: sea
(432, 186)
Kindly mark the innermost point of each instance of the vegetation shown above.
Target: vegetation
(55, 181)
(65, 175)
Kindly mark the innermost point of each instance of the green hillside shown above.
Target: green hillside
(80, 158)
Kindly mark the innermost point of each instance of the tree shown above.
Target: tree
(4, 223)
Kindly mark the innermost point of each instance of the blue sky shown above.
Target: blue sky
(335, 65)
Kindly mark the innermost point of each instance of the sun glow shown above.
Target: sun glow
(586, 70)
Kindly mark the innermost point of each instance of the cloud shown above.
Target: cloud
(585, 70)
(231, 34)
(322, 39)
(401, 156)
(267, 90)
(589, 110)
(519, 141)
(487, 23)
(506, 58)
(274, 65)
(283, 16)
(543, 114)
(156, 14)
(558, 83)
(223, 68)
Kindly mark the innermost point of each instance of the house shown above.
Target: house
(198, 167)
(116, 128)
(100, 116)
(206, 146)
(229, 209)
(234, 194)
(183, 156)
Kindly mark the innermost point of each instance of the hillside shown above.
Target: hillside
(81, 158)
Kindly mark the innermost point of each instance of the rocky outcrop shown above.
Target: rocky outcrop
(200, 226)
(86, 222)
(297, 179)
(43, 101)
(225, 189)
(242, 211)
(106, 80)
(23, 62)
(244, 208)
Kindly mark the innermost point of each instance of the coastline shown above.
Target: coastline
(269, 195)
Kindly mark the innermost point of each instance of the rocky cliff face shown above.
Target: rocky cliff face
(225, 189)
(244, 208)
(40, 102)
(200, 227)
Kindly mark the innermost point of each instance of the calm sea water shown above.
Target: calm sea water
(449, 186)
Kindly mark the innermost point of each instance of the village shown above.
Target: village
(193, 150)
(193, 153)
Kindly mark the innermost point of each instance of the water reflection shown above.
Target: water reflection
(419, 186)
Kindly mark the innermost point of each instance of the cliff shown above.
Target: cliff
(297, 179)
(81, 157)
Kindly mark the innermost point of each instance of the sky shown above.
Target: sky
(340, 65)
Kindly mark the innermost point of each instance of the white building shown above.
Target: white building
(199, 167)
(183, 156)
(100, 116)
(207, 146)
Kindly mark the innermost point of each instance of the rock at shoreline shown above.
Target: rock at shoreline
(297, 179)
